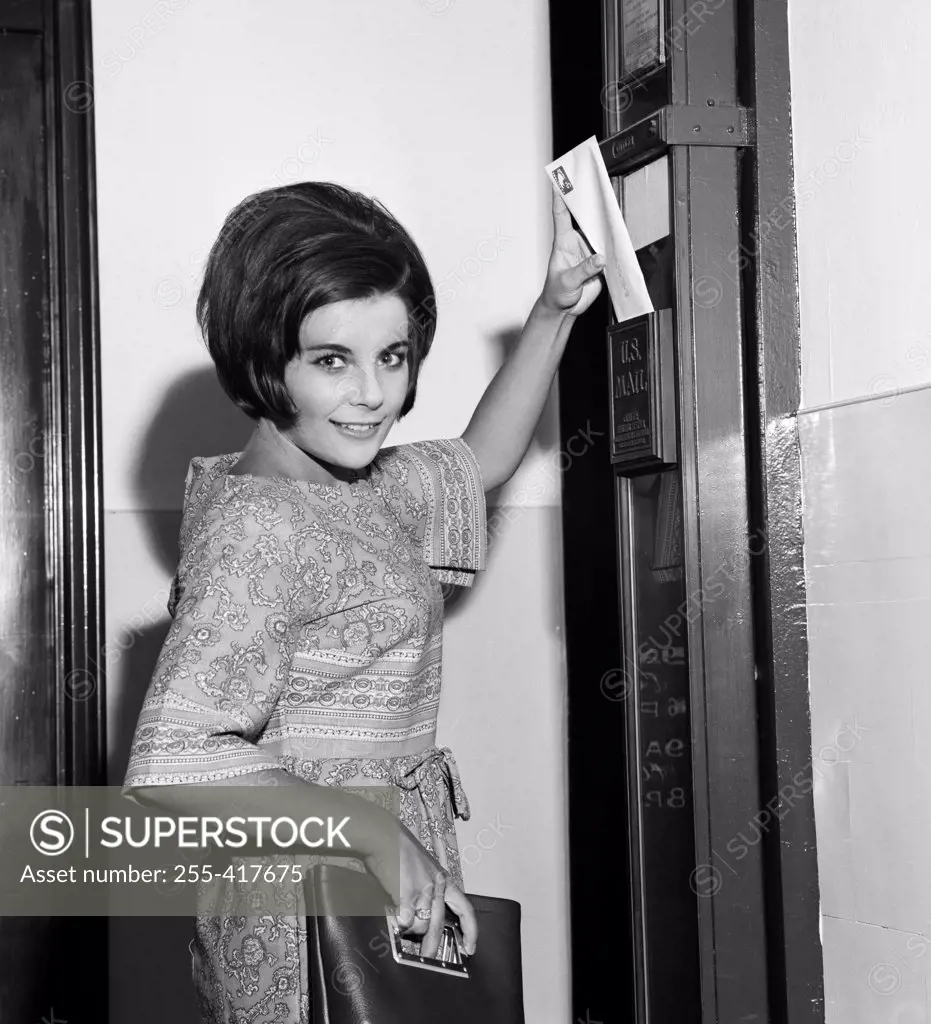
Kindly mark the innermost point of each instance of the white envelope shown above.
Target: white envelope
(581, 178)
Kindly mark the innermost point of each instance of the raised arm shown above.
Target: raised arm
(503, 423)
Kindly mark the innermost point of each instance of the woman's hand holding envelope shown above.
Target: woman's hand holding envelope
(573, 279)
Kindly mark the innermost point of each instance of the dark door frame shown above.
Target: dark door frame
(70, 452)
(737, 333)
(75, 487)
(53, 420)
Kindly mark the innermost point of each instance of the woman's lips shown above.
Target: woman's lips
(358, 431)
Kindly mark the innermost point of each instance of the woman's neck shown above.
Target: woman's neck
(270, 452)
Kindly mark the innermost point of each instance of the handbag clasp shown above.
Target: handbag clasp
(449, 957)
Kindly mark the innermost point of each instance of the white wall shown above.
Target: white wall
(861, 75)
(441, 109)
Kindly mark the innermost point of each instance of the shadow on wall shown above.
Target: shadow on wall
(505, 516)
(150, 962)
(195, 418)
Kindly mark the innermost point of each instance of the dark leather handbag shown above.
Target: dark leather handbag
(360, 972)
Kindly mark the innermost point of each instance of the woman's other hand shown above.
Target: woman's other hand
(423, 884)
(572, 277)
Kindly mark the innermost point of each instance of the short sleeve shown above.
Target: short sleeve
(438, 493)
(227, 654)
(202, 474)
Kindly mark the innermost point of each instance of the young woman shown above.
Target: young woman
(305, 649)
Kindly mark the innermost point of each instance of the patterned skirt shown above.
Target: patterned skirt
(253, 969)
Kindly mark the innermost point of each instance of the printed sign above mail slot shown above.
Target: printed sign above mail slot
(643, 393)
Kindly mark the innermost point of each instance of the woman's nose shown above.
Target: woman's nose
(360, 387)
(372, 395)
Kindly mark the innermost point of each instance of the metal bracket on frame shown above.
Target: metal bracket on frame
(676, 125)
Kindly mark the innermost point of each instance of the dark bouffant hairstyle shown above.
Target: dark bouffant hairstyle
(281, 254)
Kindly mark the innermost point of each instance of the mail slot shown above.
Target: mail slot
(641, 362)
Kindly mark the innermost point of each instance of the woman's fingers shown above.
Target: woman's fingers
(436, 896)
(581, 273)
(431, 940)
(590, 267)
(562, 219)
(404, 914)
(422, 904)
(463, 909)
(584, 248)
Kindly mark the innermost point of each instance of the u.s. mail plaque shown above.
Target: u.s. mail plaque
(643, 393)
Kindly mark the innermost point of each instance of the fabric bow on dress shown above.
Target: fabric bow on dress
(435, 773)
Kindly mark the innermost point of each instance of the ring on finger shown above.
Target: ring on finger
(423, 913)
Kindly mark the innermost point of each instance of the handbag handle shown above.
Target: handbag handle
(450, 958)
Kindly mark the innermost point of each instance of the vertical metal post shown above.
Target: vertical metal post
(768, 257)
(706, 227)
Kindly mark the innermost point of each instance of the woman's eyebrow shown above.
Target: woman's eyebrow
(332, 346)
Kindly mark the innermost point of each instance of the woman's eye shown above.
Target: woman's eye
(396, 358)
(327, 362)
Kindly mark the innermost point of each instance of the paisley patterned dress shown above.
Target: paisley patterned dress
(307, 636)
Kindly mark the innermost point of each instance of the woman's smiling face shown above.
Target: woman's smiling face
(349, 380)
